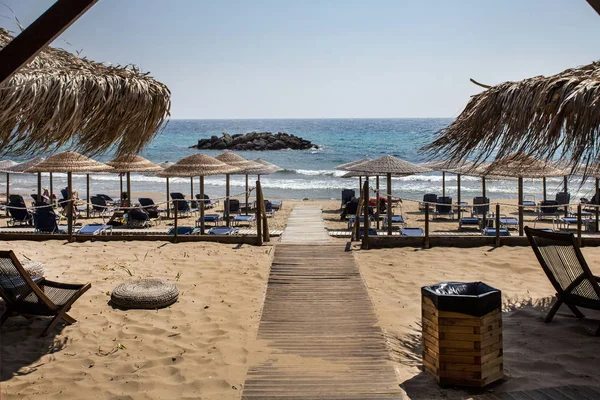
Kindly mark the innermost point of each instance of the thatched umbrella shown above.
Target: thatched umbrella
(60, 99)
(244, 167)
(389, 166)
(70, 162)
(131, 163)
(273, 168)
(4, 164)
(346, 166)
(545, 117)
(522, 166)
(20, 169)
(197, 165)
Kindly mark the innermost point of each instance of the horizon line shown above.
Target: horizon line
(309, 118)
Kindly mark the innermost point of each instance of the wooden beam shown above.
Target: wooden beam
(23, 48)
(595, 4)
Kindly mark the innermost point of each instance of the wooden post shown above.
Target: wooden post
(175, 222)
(258, 215)
(258, 178)
(597, 202)
(39, 34)
(7, 191)
(566, 197)
(544, 188)
(498, 225)
(191, 189)
(39, 186)
(360, 185)
(377, 201)
(227, 222)
(443, 183)
(266, 236)
(51, 189)
(168, 200)
(128, 189)
(365, 194)
(389, 203)
(201, 204)
(579, 224)
(121, 187)
(356, 227)
(426, 240)
(484, 219)
(70, 206)
(520, 206)
(87, 187)
(458, 196)
(247, 205)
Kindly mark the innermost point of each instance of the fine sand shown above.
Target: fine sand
(202, 346)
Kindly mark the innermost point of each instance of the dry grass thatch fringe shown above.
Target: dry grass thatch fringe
(60, 99)
(546, 117)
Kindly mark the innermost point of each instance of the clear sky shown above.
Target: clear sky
(329, 58)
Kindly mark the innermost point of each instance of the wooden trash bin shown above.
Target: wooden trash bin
(462, 333)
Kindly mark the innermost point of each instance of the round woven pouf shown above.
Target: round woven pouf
(145, 293)
(34, 269)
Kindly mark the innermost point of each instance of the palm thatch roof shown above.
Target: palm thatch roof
(59, 99)
(521, 165)
(274, 167)
(243, 166)
(545, 117)
(22, 167)
(389, 164)
(133, 163)
(5, 164)
(344, 167)
(69, 161)
(197, 165)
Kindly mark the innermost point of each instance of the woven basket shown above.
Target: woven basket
(145, 294)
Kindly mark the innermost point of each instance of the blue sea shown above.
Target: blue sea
(307, 174)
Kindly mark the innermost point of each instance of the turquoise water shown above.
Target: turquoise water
(310, 173)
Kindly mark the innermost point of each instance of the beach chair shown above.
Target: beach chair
(349, 209)
(234, 206)
(412, 232)
(489, 231)
(223, 230)
(148, 204)
(277, 204)
(39, 296)
(244, 219)
(566, 268)
(548, 208)
(469, 222)
(19, 214)
(183, 230)
(137, 218)
(95, 229)
(16, 198)
(183, 207)
(529, 203)
(347, 195)
(509, 222)
(481, 206)
(563, 198)
(108, 199)
(208, 203)
(443, 207)
(428, 198)
(46, 221)
(214, 219)
(372, 232)
(100, 207)
(361, 219)
(396, 220)
(269, 208)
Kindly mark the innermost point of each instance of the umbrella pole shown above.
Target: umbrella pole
(227, 222)
(87, 181)
(485, 201)
(247, 206)
(458, 196)
(192, 188)
(259, 178)
(168, 200)
(566, 197)
(520, 206)
(39, 186)
(389, 204)
(121, 188)
(201, 204)
(377, 201)
(365, 238)
(544, 187)
(70, 206)
(7, 191)
(51, 189)
(128, 189)
(359, 184)
(443, 183)
(597, 201)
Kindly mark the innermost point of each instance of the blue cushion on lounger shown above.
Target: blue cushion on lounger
(469, 221)
(397, 219)
(529, 203)
(243, 218)
(93, 229)
(492, 232)
(509, 221)
(182, 230)
(223, 230)
(212, 217)
(412, 232)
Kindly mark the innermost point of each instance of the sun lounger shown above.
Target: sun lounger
(277, 204)
(529, 203)
(19, 214)
(183, 207)
(481, 205)
(509, 222)
(42, 297)
(244, 219)
(182, 230)
(95, 229)
(347, 195)
(443, 207)
(469, 222)
(361, 219)
(462, 206)
(492, 232)
(396, 220)
(428, 198)
(566, 268)
(412, 232)
(223, 230)
(548, 208)
(46, 221)
(372, 232)
(210, 219)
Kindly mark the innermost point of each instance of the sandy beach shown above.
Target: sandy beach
(202, 346)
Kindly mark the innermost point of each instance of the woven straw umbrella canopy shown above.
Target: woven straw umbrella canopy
(70, 162)
(344, 167)
(197, 165)
(389, 165)
(274, 167)
(246, 167)
(129, 163)
(59, 99)
(531, 115)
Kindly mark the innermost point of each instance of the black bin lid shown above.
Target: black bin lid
(472, 298)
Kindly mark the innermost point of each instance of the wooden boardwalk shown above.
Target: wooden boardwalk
(305, 225)
(323, 338)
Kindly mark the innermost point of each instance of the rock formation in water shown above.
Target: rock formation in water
(255, 141)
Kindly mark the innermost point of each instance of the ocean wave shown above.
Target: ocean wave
(316, 172)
